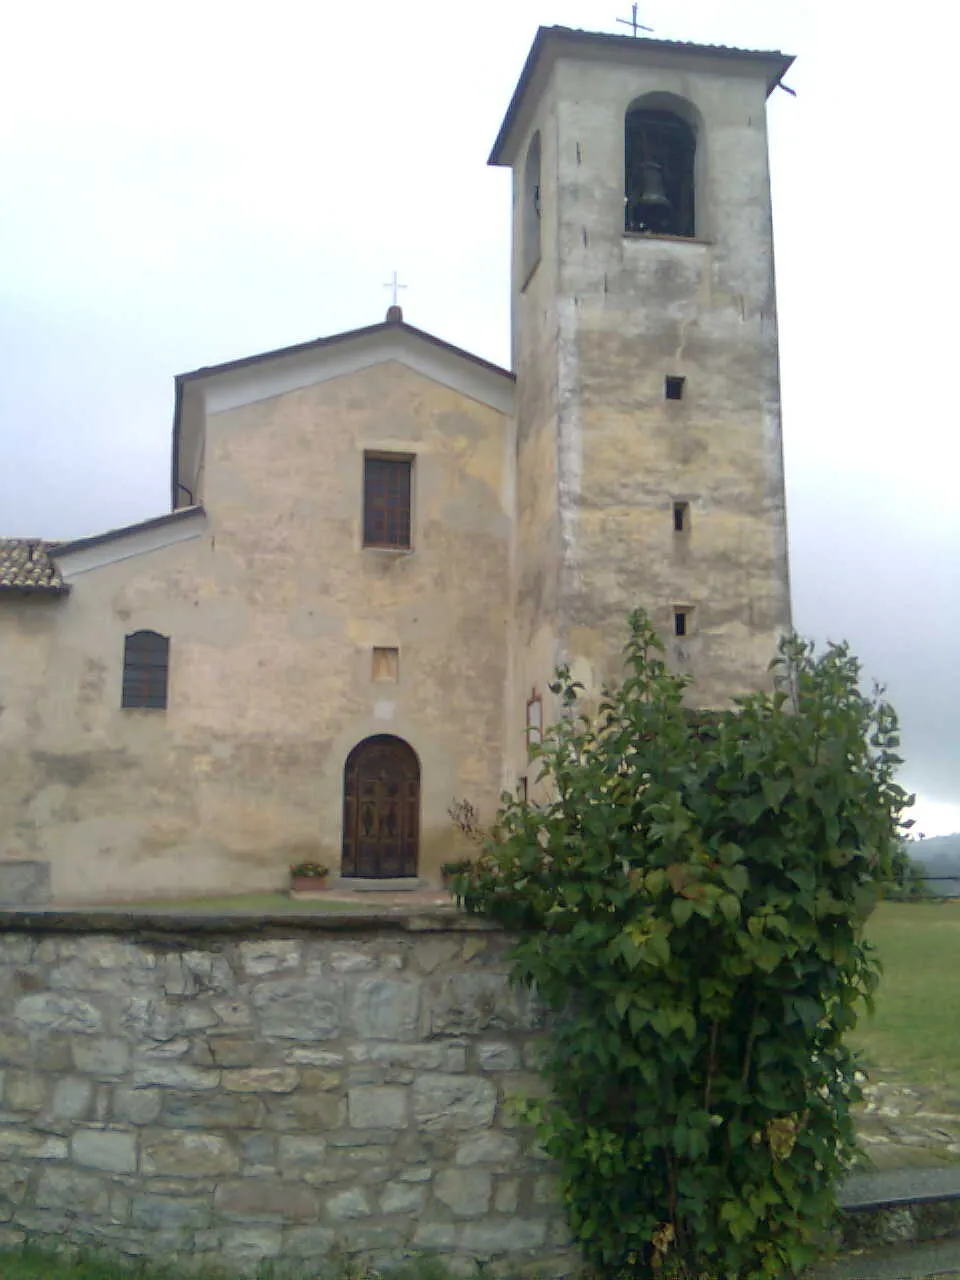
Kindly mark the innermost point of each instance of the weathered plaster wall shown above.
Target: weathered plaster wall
(232, 1096)
(272, 611)
(537, 557)
(627, 312)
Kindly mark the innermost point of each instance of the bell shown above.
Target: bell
(650, 210)
(651, 178)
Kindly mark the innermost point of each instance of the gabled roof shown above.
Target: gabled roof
(551, 42)
(488, 381)
(26, 566)
(393, 323)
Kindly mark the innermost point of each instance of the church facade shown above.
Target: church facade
(380, 546)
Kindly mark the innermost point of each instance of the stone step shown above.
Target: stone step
(899, 1224)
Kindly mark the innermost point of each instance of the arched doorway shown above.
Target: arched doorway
(381, 809)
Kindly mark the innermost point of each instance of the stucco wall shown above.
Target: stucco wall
(233, 1096)
(273, 608)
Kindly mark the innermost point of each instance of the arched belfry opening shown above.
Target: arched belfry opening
(660, 172)
(381, 809)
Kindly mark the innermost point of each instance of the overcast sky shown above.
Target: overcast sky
(198, 181)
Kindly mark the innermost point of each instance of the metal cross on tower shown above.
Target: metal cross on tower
(396, 286)
(632, 22)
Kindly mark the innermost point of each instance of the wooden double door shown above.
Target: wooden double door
(381, 809)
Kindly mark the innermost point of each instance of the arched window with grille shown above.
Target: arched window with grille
(659, 171)
(146, 666)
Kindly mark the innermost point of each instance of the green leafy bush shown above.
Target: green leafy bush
(690, 904)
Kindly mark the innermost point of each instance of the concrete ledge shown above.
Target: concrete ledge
(249, 923)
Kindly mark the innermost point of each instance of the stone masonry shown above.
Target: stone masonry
(221, 1095)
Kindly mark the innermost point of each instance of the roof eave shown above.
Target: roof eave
(779, 62)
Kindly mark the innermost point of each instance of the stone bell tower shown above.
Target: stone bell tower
(649, 468)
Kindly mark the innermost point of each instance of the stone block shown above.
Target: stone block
(113, 1152)
(24, 882)
(157, 1213)
(416, 1057)
(506, 1197)
(188, 1155)
(77, 1192)
(377, 1107)
(12, 1238)
(299, 1111)
(317, 1080)
(17, 948)
(163, 1051)
(403, 1197)
(308, 1242)
(258, 1149)
(265, 1199)
(72, 1099)
(546, 1190)
(310, 1057)
(13, 1182)
(136, 1106)
(493, 1147)
(233, 1051)
(15, 1050)
(435, 1236)
(211, 1111)
(470, 1002)
(49, 1011)
(101, 1057)
(344, 960)
(434, 953)
(175, 1075)
(242, 1244)
(503, 1235)
(347, 1205)
(25, 1090)
(17, 1142)
(466, 1192)
(497, 1056)
(269, 956)
(299, 1153)
(260, 1079)
(290, 1009)
(232, 1013)
(445, 1102)
(385, 1009)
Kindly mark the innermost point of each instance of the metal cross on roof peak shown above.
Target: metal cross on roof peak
(632, 22)
(396, 286)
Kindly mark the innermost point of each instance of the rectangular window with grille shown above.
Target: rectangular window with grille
(146, 664)
(386, 500)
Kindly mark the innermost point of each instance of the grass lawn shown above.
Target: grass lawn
(915, 1031)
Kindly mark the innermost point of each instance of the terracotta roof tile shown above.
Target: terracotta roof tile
(26, 565)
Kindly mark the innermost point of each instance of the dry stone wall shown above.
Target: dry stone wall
(234, 1097)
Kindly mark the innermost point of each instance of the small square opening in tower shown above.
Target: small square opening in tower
(673, 387)
(386, 665)
(681, 517)
(682, 619)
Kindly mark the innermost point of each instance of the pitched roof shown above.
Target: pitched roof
(26, 564)
(394, 325)
(550, 42)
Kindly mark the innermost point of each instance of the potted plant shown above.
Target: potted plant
(308, 877)
(456, 867)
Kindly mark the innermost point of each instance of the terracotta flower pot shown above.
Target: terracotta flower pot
(309, 884)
